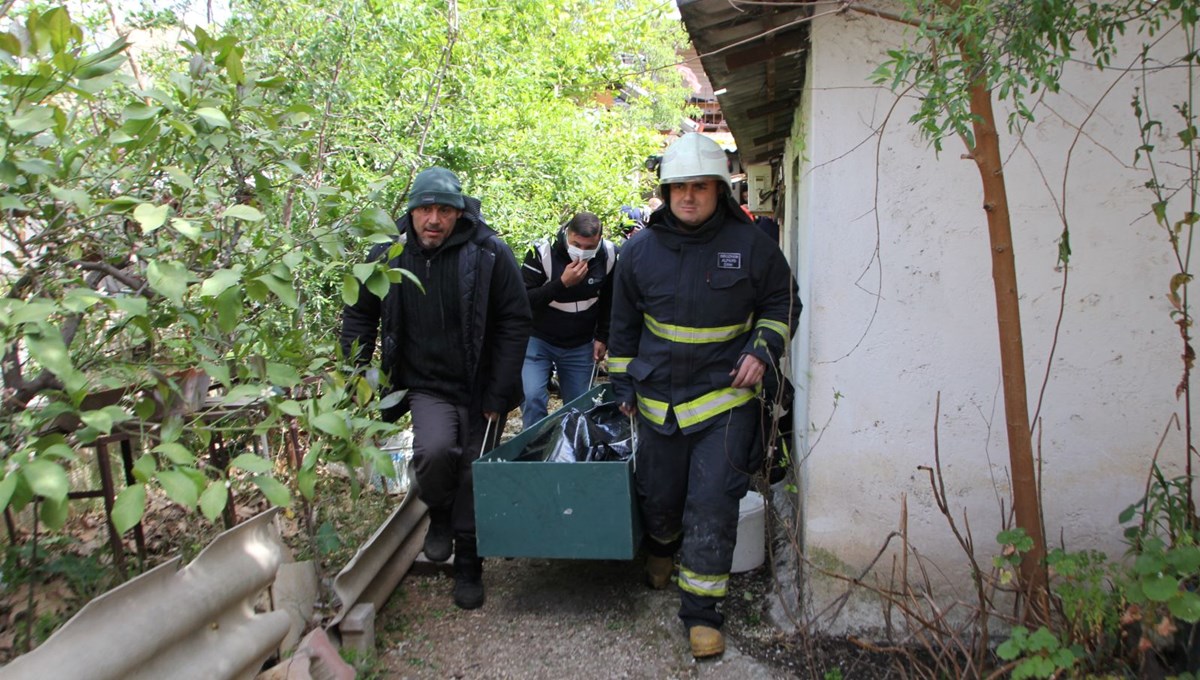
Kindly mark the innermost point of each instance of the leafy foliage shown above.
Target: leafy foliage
(511, 96)
(202, 218)
(1015, 49)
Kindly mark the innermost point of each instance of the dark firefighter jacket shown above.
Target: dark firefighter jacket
(473, 277)
(686, 306)
(569, 317)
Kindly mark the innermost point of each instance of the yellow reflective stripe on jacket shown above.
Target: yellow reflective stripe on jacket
(713, 403)
(654, 410)
(618, 364)
(695, 336)
(779, 328)
(702, 584)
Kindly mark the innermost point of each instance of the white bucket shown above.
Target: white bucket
(750, 549)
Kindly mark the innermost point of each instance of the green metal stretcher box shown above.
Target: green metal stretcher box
(555, 510)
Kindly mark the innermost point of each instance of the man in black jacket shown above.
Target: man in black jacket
(569, 281)
(456, 344)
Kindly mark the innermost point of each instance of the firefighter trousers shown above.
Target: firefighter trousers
(689, 487)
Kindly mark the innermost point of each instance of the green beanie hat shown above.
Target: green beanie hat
(436, 186)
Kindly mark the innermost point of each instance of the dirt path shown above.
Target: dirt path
(545, 619)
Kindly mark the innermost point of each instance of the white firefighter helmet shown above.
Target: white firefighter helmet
(694, 157)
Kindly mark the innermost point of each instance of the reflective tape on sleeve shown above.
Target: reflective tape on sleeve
(707, 585)
(714, 403)
(618, 364)
(653, 410)
(776, 326)
(695, 336)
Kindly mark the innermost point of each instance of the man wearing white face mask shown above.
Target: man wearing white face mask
(569, 282)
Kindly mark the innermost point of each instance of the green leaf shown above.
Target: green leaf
(144, 469)
(9, 43)
(34, 119)
(97, 69)
(378, 284)
(150, 217)
(375, 219)
(1160, 212)
(58, 24)
(283, 289)
(282, 375)
(290, 407)
(186, 229)
(349, 289)
(180, 178)
(306, 481)
(47, 479)
(364, 270)
(243, 212)
(229, 310)
(35, 166)
(1149, 563)
(213, 500)
(221, 280)
(275, 492)
(9, 484)
(50, 352)
(332, 422)
(101, 420)
(33, 311)
(176, 453)
(1185, 607)
(1160, 587)
(1185, 559)
(213, 117)
(392, 399)
(78, 198)
(169, 279)
(179, 487)
(327, 538)
(54, 513)
(129, 507)
(252, 463)
(233, 66)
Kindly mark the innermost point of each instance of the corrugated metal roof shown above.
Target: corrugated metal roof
(755, 52)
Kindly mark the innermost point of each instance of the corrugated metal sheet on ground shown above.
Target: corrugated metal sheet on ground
(195, 622)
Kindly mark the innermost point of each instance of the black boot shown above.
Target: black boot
(468, 573)
(437, 538)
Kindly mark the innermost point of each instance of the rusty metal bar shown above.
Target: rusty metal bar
(106, 483)
(139, 536)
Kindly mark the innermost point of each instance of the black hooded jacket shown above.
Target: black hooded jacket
(463, 338)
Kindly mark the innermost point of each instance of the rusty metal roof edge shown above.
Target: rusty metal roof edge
(703, 22)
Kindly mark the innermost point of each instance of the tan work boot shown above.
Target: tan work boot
(658, 571)
(706, 641)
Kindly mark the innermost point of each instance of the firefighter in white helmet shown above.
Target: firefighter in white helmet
(704, 305)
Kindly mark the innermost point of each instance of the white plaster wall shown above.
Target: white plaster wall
(892, 254)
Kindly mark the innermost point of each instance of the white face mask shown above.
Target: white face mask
(581, 254)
